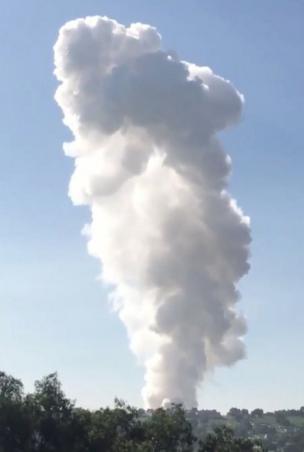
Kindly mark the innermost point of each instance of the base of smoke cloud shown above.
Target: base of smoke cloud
(171, 240)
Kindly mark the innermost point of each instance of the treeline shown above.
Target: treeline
(280, 431)
(47, 421)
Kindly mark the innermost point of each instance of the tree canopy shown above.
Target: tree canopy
(47, 421)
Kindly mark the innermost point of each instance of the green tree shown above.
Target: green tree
(116, 429)
(54, 424)
(258, 412)
(14, 425)
(169, 430)
(282, 418)
(223, 440)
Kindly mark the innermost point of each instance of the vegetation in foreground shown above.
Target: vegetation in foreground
(47, 421)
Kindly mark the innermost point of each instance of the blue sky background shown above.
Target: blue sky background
(53, 310)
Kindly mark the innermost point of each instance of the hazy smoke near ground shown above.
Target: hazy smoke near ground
(171, 241)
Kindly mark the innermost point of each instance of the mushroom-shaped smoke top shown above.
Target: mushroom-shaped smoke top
(171, 241)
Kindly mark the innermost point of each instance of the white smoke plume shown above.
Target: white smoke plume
(171, 241)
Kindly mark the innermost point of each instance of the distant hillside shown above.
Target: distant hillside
(279, 431)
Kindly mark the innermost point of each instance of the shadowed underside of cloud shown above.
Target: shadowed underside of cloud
(171, 240)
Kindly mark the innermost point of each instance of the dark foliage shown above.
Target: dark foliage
(47, 421)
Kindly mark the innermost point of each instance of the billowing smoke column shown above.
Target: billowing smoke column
(172, 242)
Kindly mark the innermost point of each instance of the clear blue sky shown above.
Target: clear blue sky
(53, 310)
